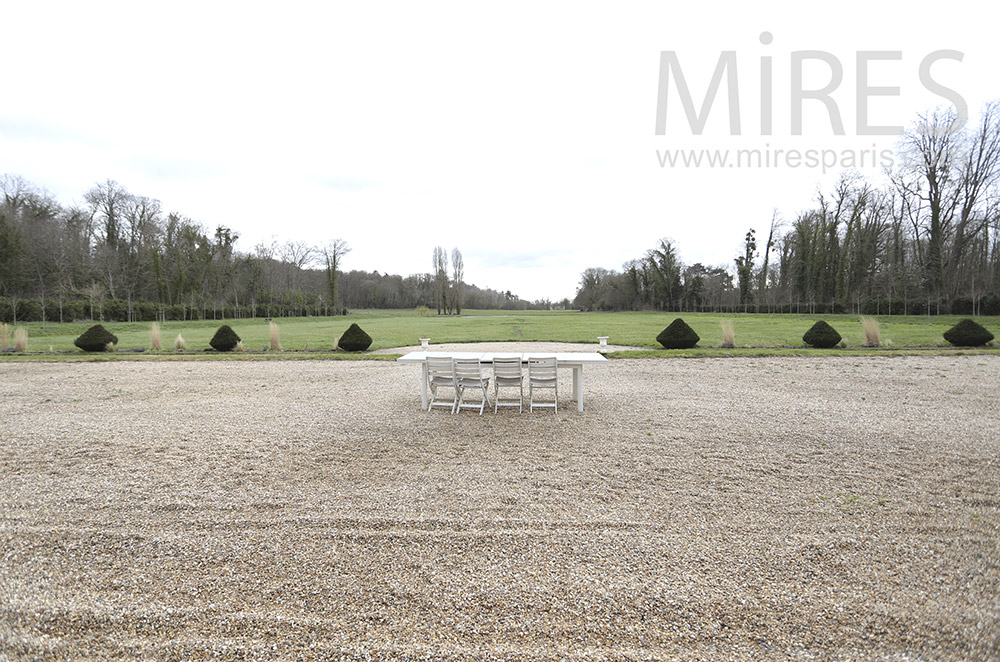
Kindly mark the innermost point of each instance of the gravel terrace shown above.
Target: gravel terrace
(767, 508)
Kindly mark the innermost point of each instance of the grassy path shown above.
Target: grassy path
(755, 333)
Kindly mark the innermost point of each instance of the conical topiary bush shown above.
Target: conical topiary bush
(968, 333)
(821, 335)
(354, 339)
(224, 340)
(96, 339)
(678, 336)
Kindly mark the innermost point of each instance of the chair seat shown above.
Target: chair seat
(507, 374)
(476, 383)
(469, 374)
(542, 374)
(441, 373)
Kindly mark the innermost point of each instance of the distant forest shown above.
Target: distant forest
(927, 242)
(120, 257)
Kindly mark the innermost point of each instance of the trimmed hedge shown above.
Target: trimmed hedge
(821, 335)
(224, 340)
(968, 333)
(678, 336)
(96, 339)
(354, 339)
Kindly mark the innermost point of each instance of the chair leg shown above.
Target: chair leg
(542, 404)
(433, 400)
(508, 403)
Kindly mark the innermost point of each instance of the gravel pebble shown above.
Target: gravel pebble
(702, 509)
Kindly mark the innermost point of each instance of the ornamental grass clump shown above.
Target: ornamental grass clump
(728, 334)
(354, 339)
(20, 339)
(225, 339)
(678, 336)
(873, 336)
(275, 345)
(968, 333)
(155, 343)
(96, 339)
(180, 344)
(821, 335)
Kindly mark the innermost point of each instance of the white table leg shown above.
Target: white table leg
(423, 385)
(578, 386)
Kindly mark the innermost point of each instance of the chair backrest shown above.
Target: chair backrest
(468, 369)
(542, 367)
(507, 366)
(441, 366)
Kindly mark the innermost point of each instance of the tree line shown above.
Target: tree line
(924, 241)
(119, 256)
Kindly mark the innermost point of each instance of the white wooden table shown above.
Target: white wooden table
(572, 360)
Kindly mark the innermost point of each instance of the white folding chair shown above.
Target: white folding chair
(441, 373)
(507, 374)
(542, 374)
(469, 374)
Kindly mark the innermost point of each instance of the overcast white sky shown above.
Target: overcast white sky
(521, 132)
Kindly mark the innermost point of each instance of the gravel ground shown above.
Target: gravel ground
(769, 508)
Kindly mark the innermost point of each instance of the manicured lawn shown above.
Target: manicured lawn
(755, 333)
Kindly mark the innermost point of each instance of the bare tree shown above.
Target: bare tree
(930, 149)
(979, 171)
(14, 257)
(265, 274)
(107, 203)
(141, 225)
(951, 172)
(16, 189)
(95, 293)
(440, 261)
(297, 254)
(457, 284)
(762, 278)
(222, 269)
(333, 253)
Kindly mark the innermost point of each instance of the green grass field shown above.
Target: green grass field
(756, 334)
